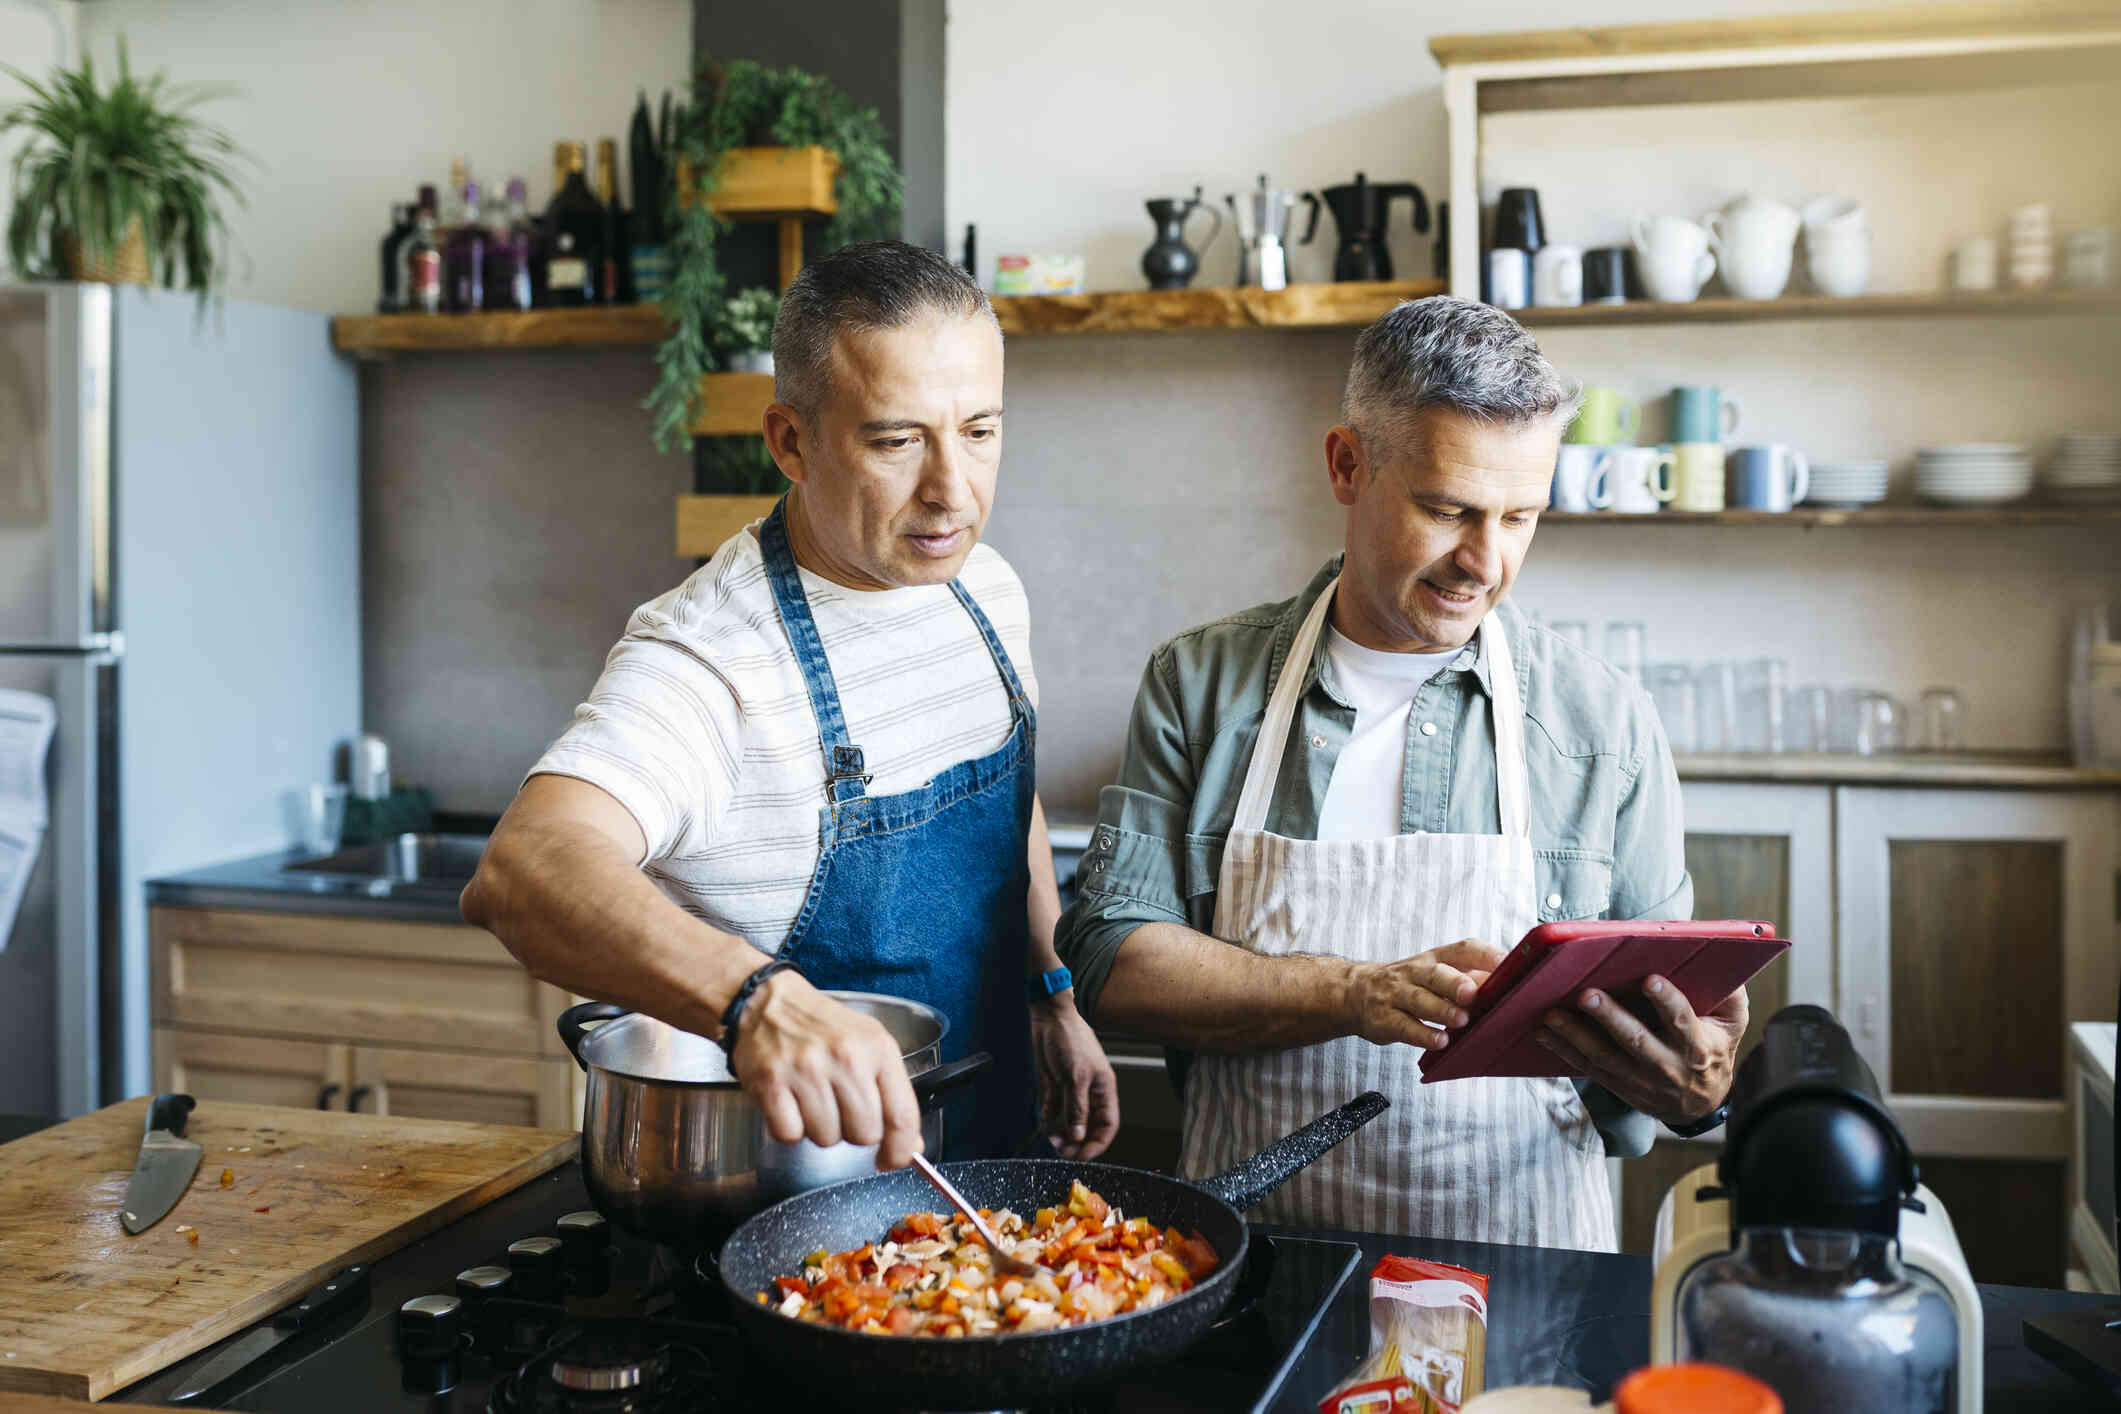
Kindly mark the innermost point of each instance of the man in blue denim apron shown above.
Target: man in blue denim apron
(811, 767)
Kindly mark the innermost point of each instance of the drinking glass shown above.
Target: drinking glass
(322, 815)
(1716, 697)
(1762, 685)
(1624, 643)
(1811, 719)
(1672, 689)
(1876, 723)
(1936, 724)
(1575, 632)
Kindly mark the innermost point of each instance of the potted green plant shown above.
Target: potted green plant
(745, 335)
(745, 104)
(121, 184)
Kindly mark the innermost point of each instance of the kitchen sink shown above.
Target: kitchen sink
(440, 862)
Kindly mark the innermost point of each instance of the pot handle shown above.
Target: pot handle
(932, 1087)
(1256, 1177)
(576, 1021)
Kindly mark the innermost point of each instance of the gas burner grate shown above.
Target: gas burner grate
(609, 1367)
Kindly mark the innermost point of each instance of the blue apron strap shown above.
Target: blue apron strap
(845, 775)
(1019, 704)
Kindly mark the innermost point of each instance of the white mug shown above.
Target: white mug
(1557, 276)
(1974, 265)
(1581, 482)
(1838, 259)
(1509, 281)
(1834, 214)
(1754, 240)
(1640, 479)
(1673, 258)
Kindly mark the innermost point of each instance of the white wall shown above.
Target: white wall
(35, 35)
(1152, 481)
(350, 104)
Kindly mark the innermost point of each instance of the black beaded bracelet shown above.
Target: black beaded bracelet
(735, 1011)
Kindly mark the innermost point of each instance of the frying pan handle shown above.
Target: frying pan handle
(932, 1087)
(576, 1021)
(1280, 1161)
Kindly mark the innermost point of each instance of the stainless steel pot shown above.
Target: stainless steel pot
(672, 1147)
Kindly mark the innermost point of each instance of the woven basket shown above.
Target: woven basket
(127, 265)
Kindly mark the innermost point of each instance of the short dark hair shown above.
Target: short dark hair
(868, 285)
(1458, 354)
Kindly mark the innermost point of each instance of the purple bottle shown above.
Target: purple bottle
(509, 251)
(464, 257)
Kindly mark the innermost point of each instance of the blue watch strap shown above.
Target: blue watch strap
(1048, 984)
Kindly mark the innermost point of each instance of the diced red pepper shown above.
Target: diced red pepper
(794, 1284)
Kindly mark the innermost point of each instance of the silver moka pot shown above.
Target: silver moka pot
(1263, 225)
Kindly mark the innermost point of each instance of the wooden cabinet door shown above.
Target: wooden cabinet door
(481, 1088)
(251, 1070)
(1975, 926)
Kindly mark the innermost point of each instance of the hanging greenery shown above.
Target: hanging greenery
(745, 104)
(120, 183)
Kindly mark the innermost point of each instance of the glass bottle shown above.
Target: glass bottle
(392, 297)
(423, 259)
(464, 257)
(509, 250)
(574, 225)
(616, 285)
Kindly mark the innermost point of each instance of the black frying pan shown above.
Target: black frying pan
(981, 1372)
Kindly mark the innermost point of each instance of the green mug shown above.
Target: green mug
(1607, 416)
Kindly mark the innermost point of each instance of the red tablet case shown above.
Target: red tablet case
(1556, 962)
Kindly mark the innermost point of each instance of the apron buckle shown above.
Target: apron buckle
(847, 764)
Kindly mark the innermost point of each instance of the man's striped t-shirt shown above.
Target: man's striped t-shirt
(701, 727)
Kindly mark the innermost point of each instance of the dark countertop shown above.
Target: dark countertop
(1568, 1318)
(262, 882)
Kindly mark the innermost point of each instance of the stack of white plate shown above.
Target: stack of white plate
(1847, 484)
(2084, 468)
(1973, 474)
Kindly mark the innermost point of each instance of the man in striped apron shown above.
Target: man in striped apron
(1336, 814)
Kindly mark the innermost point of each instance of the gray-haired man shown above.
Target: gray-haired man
(810, 766)
(1336, 813)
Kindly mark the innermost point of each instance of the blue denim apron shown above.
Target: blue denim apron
(923, 894)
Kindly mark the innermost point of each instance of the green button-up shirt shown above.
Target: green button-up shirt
(1606, 823)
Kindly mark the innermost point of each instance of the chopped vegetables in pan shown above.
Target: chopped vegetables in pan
(932, 1275)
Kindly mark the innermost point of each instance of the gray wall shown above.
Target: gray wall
(513, 512)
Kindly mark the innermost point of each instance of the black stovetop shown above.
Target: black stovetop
(645, 1303)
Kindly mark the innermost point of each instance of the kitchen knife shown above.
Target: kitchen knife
(167, 1162)
(342, 1293)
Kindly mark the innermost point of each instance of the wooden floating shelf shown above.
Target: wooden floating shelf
(1322, 306)
(1807, 516)
(1911, 768)
(731, 404)
(1942, 304)
(599, 326)
(704, 522)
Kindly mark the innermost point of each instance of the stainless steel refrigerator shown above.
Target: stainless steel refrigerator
(180, 575)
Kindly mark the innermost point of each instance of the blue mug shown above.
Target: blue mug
(1701, 413)
(1771, 478)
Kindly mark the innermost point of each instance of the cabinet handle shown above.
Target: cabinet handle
(324, 1096)
(355, 1096)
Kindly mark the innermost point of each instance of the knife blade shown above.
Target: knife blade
(165, 1166)
(342, 1293)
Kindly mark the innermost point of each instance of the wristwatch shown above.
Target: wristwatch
(1703, 1125)
(1048, 984)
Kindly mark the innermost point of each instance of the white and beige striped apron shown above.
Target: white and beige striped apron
(1494, 1160)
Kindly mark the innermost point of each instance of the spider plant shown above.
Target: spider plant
(105, 171)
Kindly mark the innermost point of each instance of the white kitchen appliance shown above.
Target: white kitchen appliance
(1808, 1255)
(180, 577)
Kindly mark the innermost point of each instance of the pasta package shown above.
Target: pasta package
(1428, 1341)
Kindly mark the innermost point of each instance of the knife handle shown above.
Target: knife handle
(342, 1293)
(170, 1112)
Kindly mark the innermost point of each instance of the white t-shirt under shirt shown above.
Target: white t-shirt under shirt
(701, 727)
(1363, 799)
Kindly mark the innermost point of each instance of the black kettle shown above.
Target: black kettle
(1360, 211)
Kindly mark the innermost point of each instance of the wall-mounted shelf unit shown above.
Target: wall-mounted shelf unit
(1806, 517)
(599, 326)
(1321, 306)
(1939, 304)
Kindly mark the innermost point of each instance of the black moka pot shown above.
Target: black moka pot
(1360, 212)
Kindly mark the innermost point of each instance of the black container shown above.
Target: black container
(1518, 224)
(1169, 263)
(1609, 275)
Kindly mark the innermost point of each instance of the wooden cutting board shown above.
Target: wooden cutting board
(283, 1198)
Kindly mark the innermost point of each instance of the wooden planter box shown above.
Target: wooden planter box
(731, 404)
(767, 183)
(704, 522)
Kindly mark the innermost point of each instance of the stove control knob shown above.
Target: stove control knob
(428, 1327)
(584, 1237)
(476, 1284)
(536, 1264)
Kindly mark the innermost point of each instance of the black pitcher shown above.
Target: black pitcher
(1169, 263)
(1361, 211)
